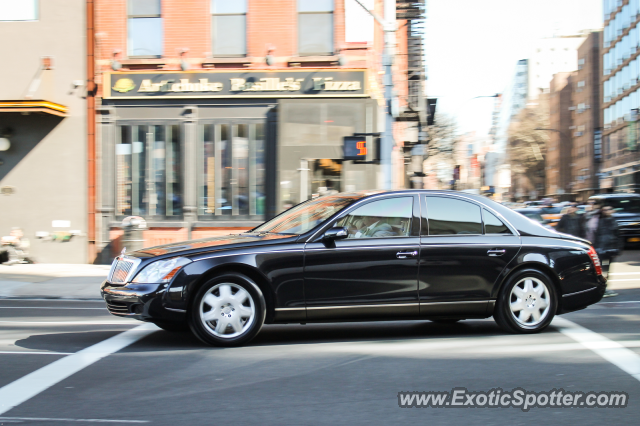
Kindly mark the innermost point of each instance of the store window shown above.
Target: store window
(232, 170)
(145, 32)
(315, 27)
(24, 10)
(149, 171)
(229, 27)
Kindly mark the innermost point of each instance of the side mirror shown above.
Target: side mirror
(336, 233)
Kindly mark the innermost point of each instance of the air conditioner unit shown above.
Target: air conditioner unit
(572, 108)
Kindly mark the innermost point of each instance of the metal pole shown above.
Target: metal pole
(387, 60)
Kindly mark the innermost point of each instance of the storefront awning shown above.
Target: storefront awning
(25, 105)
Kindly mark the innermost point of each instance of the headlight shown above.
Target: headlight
(161, 271)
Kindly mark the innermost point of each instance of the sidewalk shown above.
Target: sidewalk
(52, 281)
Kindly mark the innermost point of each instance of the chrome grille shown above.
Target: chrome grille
(118, 308)
(120, 270)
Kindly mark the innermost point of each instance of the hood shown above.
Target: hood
(206, 244)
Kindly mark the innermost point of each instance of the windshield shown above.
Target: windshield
(624, 205)
(306, 216)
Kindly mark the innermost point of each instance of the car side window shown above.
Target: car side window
(390, 217)
(449, 216)
(493, 225)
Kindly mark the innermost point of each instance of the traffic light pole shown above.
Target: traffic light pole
(389, 27)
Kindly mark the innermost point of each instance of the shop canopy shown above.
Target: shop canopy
(31, 105)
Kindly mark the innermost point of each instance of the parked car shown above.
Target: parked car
(363, 256)
(626, 212)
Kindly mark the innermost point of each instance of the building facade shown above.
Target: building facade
(43, 127)
(216, 116)
(559, 148)
(620, 169)
(586, 130)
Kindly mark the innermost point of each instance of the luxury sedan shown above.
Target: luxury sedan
(441, 256)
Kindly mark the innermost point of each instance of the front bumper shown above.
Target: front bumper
(144, 302)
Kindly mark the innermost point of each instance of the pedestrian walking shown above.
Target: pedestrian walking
(603, 232)
(571, 223)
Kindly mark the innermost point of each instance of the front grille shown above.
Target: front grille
(120, 271)
(118, 308)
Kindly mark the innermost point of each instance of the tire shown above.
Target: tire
(174, 327)
(446, 321)
(228, 310)
(527, 302)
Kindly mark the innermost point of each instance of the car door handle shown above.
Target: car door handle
(405, 254)
(496, 252)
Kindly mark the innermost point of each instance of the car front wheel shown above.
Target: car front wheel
(228, 310)
(527, 302)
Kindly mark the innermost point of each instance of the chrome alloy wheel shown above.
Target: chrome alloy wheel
(529, 302)
(227, 310)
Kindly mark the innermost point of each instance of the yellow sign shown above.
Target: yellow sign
(124, 85)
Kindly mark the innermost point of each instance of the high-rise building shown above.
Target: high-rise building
(550, 56)
(620, 168)
(586, 128)
(559, 147)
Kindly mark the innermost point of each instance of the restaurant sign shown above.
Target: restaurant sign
(250, 84)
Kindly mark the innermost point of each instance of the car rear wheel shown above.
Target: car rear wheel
(527, 302)
(227, 311)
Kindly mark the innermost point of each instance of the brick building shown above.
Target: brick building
(558, 160)
(214, 115)
(586, 131)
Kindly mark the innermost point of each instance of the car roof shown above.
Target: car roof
(617, 195)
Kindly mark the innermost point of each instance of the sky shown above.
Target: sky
(472, 47)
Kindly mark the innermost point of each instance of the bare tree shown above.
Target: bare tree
(443, 140)
(527, 144)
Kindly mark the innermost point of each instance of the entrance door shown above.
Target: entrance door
(373, 273)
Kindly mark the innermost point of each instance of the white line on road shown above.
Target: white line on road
(623, 358)
(34, 353)
(47, 419)
(623, 279)
(123, 322)
(32, 384)
(46, 307)
(625, 273)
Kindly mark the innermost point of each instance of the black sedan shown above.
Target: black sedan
(363, 256)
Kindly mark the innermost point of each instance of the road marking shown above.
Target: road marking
(623, 279)
(34, 353)
(623, 358)
(46, 419)
(625, 273)
(45, 307)
(123, 322)
(32, 384)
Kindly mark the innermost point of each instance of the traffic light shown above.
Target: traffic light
(355, 148)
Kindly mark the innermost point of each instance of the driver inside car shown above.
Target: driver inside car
(373, 226)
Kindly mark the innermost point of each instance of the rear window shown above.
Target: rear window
(623, 205)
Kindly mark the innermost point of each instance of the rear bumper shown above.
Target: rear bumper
(143, 302)
(581, 299)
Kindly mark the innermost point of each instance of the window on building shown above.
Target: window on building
(448, 216)
(149, 171)
(12, 10)
(232, 170)
(315, 27)
(229, 27)
(145, 32)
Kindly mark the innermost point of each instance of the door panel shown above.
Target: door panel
(371, 274)
(462, 256)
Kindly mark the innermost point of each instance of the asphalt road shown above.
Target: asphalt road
(324, 374)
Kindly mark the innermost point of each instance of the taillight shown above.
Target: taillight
(596, 260)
